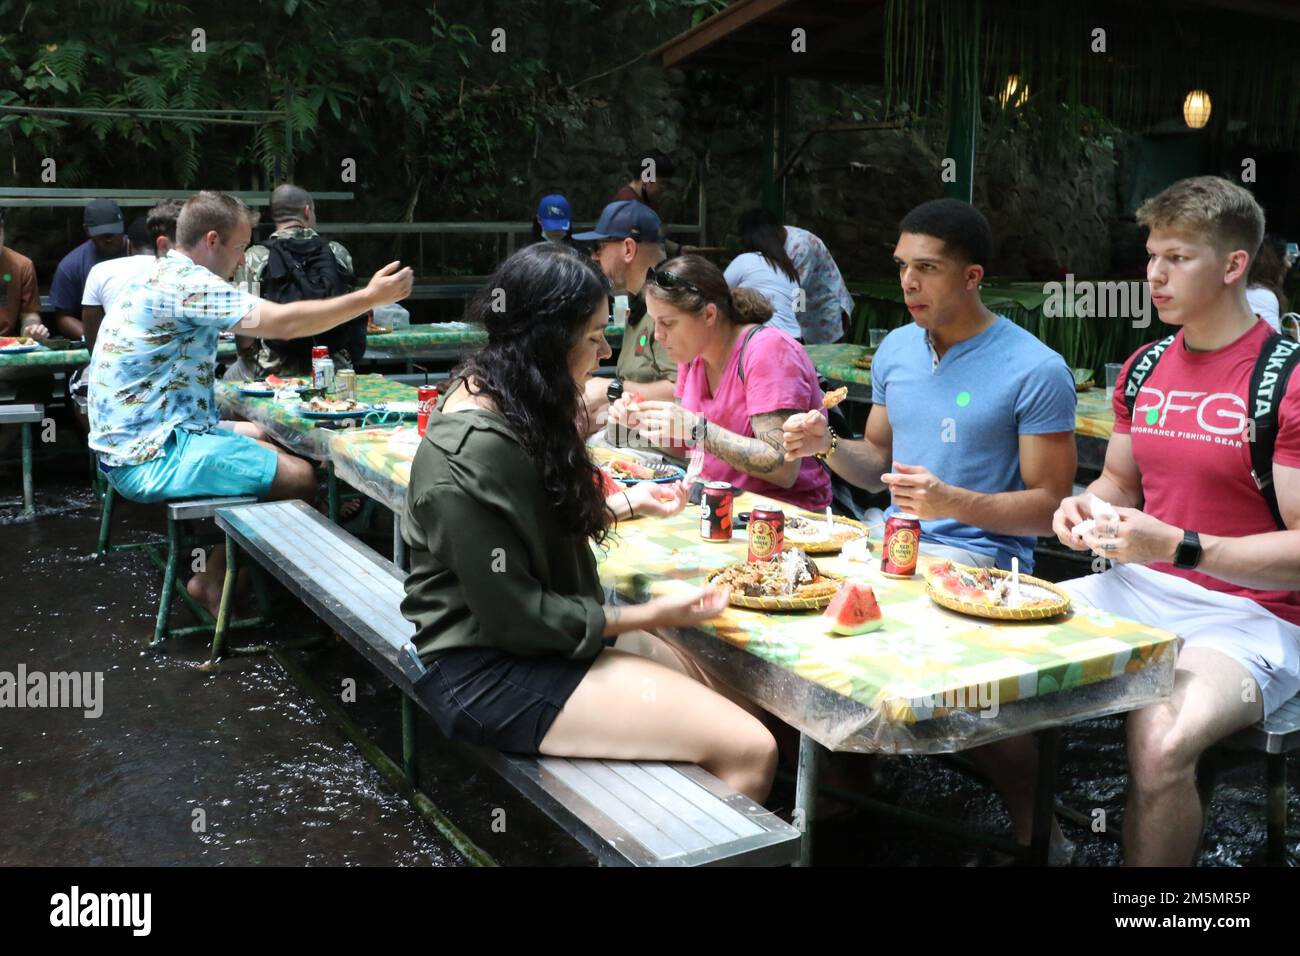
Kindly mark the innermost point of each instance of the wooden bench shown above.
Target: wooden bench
(641, 813)
(24, 416)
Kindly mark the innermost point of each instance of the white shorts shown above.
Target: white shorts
(1261, 642)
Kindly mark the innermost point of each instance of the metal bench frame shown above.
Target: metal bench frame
(24, 416)
(625, 813)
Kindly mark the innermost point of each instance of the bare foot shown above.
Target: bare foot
(207, 591)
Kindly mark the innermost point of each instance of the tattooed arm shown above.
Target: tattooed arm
(762, 456)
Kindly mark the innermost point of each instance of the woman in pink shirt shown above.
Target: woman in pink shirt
(731, 405)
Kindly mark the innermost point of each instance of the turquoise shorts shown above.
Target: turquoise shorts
(213, 464)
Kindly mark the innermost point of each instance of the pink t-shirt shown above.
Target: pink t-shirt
(778, 375)
(1187, 431)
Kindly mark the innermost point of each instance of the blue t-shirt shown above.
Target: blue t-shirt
(749, 270)
(963, 418)
(70, 278)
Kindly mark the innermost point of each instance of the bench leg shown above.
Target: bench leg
(1275, 808)
(169, 580)
(105, 520)
(805, 795)
(409, 764)
(227, 597)
(332, 492)
(1049, 755)
(29, 499)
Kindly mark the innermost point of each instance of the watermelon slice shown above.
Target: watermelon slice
(854, 610)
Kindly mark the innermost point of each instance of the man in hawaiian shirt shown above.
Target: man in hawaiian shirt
(153, 416)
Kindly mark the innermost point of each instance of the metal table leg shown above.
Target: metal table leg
(29, 500)
(1049, 755)
(805, 794)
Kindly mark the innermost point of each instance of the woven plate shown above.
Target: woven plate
(1059, 606)
(783, 603)
(828, 545)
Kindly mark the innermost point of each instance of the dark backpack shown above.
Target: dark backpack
(1268, 382)
(301, 269)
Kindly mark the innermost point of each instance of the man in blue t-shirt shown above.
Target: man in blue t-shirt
(105, 239)
(971, 427)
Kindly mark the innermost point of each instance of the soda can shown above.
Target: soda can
(901, 547)
(766, 534)
(320, 351)
(715, 511)
(345, 384)
(426, 398)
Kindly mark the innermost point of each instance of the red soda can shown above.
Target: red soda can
(320, 351)
(715, 511)
(902, 546)
(766, 534)
(426, 397)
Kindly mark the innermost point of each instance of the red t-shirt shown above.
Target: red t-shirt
(1187, 429)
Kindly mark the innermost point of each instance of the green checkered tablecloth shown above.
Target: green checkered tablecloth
(55, 359)
(284, 421)
(930, 680)
(441, 341)
(835, 362)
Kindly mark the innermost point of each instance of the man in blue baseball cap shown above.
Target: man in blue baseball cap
(627, 242)
(105, 239)
(552, 222)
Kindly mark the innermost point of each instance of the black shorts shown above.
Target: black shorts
(499, 700)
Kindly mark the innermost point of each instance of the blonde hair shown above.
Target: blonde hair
(1210, 208)
(209, 210)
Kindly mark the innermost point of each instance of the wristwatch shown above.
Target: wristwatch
(1188, 554)
(697, 431)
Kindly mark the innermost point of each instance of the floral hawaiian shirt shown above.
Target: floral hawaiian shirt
(824, 287)
(155, 359)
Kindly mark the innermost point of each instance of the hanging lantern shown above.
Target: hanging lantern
(1196, 109)
(1015, 92)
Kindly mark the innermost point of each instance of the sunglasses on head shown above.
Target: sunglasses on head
(667, 280)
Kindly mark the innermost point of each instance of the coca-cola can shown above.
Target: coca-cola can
(715, 511)
(426, 398)
(766, 534)
(901, 547)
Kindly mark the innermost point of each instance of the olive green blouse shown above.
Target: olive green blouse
(490, 564)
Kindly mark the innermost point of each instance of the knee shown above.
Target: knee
(753, 759)
(1158, 755)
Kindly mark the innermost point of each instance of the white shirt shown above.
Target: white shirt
(106, 279)
(749, 270)
(1261, 301)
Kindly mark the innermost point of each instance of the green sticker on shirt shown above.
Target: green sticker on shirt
(1153, 415)
(8, 277)
(963, 399)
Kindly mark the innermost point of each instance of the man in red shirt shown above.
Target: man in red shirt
(1194, 544)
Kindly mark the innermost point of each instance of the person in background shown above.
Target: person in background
(20, 303)
(296, 264)
(646, 186)
(740, 379)
(551, 224)
(105, 239)
(524, 654)
(106, 279)
(154, 422)
(764, 267)
(828, 304)
(626, 243)
(1264, 292)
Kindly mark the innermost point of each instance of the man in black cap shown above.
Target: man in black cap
(105, 239)
(627, 242)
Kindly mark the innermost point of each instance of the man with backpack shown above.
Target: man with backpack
(1198, 507)
(294, 264)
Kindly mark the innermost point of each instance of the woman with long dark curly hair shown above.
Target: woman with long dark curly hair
(501, 513)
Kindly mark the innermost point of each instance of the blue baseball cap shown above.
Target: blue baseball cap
(626, 219)
(553, 213)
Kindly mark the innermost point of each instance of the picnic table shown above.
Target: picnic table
(440, 341)
(1094, 420)
(43, 359)
(834, 362)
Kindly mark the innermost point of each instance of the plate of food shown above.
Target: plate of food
(372, 329)
(990, 593)
(813, 535)
(18, 345)
(791, 583)
(333, 408)
(632, 472)
(280, 383)
(863, 361)
(256, 389)
(1084, 379)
